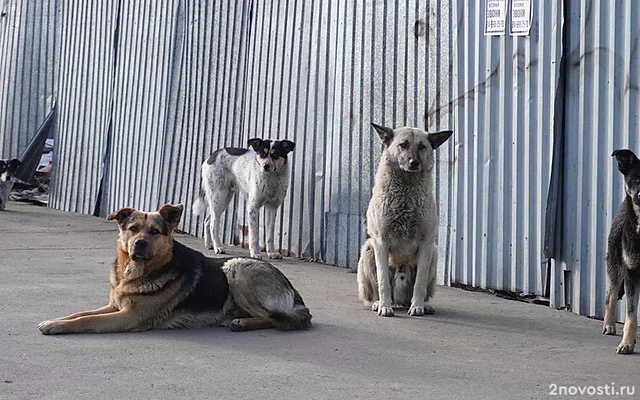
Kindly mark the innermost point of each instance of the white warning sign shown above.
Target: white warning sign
(495, 17)
(520, 17)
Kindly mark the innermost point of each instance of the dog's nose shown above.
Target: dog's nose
(140, 244)
(266, 167)
(414, 164)
(402, 278)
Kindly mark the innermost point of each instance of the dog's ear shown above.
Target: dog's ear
(14, 164)
(255, 144)
(626, 160)
(386, 134)
(171, 213)
(287, 146)
(121, 215)
(436, 139)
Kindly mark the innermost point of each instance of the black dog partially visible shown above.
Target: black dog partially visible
(623, 254)
(7, 170)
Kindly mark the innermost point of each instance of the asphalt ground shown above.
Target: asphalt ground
(476, 345)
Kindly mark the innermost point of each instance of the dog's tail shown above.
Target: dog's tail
(298, 317)
(199, 206)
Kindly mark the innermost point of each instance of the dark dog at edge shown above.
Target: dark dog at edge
(623, 255)
(158, 283)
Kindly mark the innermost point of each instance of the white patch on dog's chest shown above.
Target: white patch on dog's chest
(630, 262)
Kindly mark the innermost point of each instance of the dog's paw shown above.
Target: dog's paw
(420, 308)
(275, 256)
(625, 348)
(238, 325)
(218, 250)
(416, 311)
(257, 256)
(429, 310)
(608, 329)
(385, 311)
(48, 327)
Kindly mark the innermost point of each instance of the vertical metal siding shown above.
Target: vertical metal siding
(392, 67)
(86, 70)
(505, 88)
(28, 71)
(214, 85)
(191, 77)
(602, 115)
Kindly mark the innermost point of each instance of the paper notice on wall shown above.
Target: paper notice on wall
(495, 17)
(520, 17)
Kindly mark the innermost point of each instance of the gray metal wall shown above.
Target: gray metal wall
(504, 97)
(602, 114)
(28, 70)
(148, 92)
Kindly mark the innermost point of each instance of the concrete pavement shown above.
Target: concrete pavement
(475, 346)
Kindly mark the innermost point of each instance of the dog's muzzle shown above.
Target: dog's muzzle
(140, 250)
(414, 164)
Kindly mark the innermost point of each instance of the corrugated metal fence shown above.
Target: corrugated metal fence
(28, 70)
(146, 90)
(149, 92)
(505, 90)
(602, 114)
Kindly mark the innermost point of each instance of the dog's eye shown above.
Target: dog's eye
(134, 229)
(404, 145)
(421, 146)
(154, 232)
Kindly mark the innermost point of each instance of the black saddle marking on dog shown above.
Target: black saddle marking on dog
(236, 151)
(213, 157)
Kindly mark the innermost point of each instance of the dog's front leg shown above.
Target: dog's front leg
(383, 305)
(418, 305)
(628, 343)
(613, 285)
(270, 216)
(119, 321)
(102, 310)
(254, 225)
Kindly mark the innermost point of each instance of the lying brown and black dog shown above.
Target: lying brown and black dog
(158, 283)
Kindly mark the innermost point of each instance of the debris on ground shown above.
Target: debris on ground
(36, 192)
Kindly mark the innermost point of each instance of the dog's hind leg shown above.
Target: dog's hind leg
(249, 324)
(381, 253)
(423, 276)
(208, 243)
(614, 283)
(264, 294)
(367, 281)
(628, 343)
(254, 224)
(270, 220)
(218, 201)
